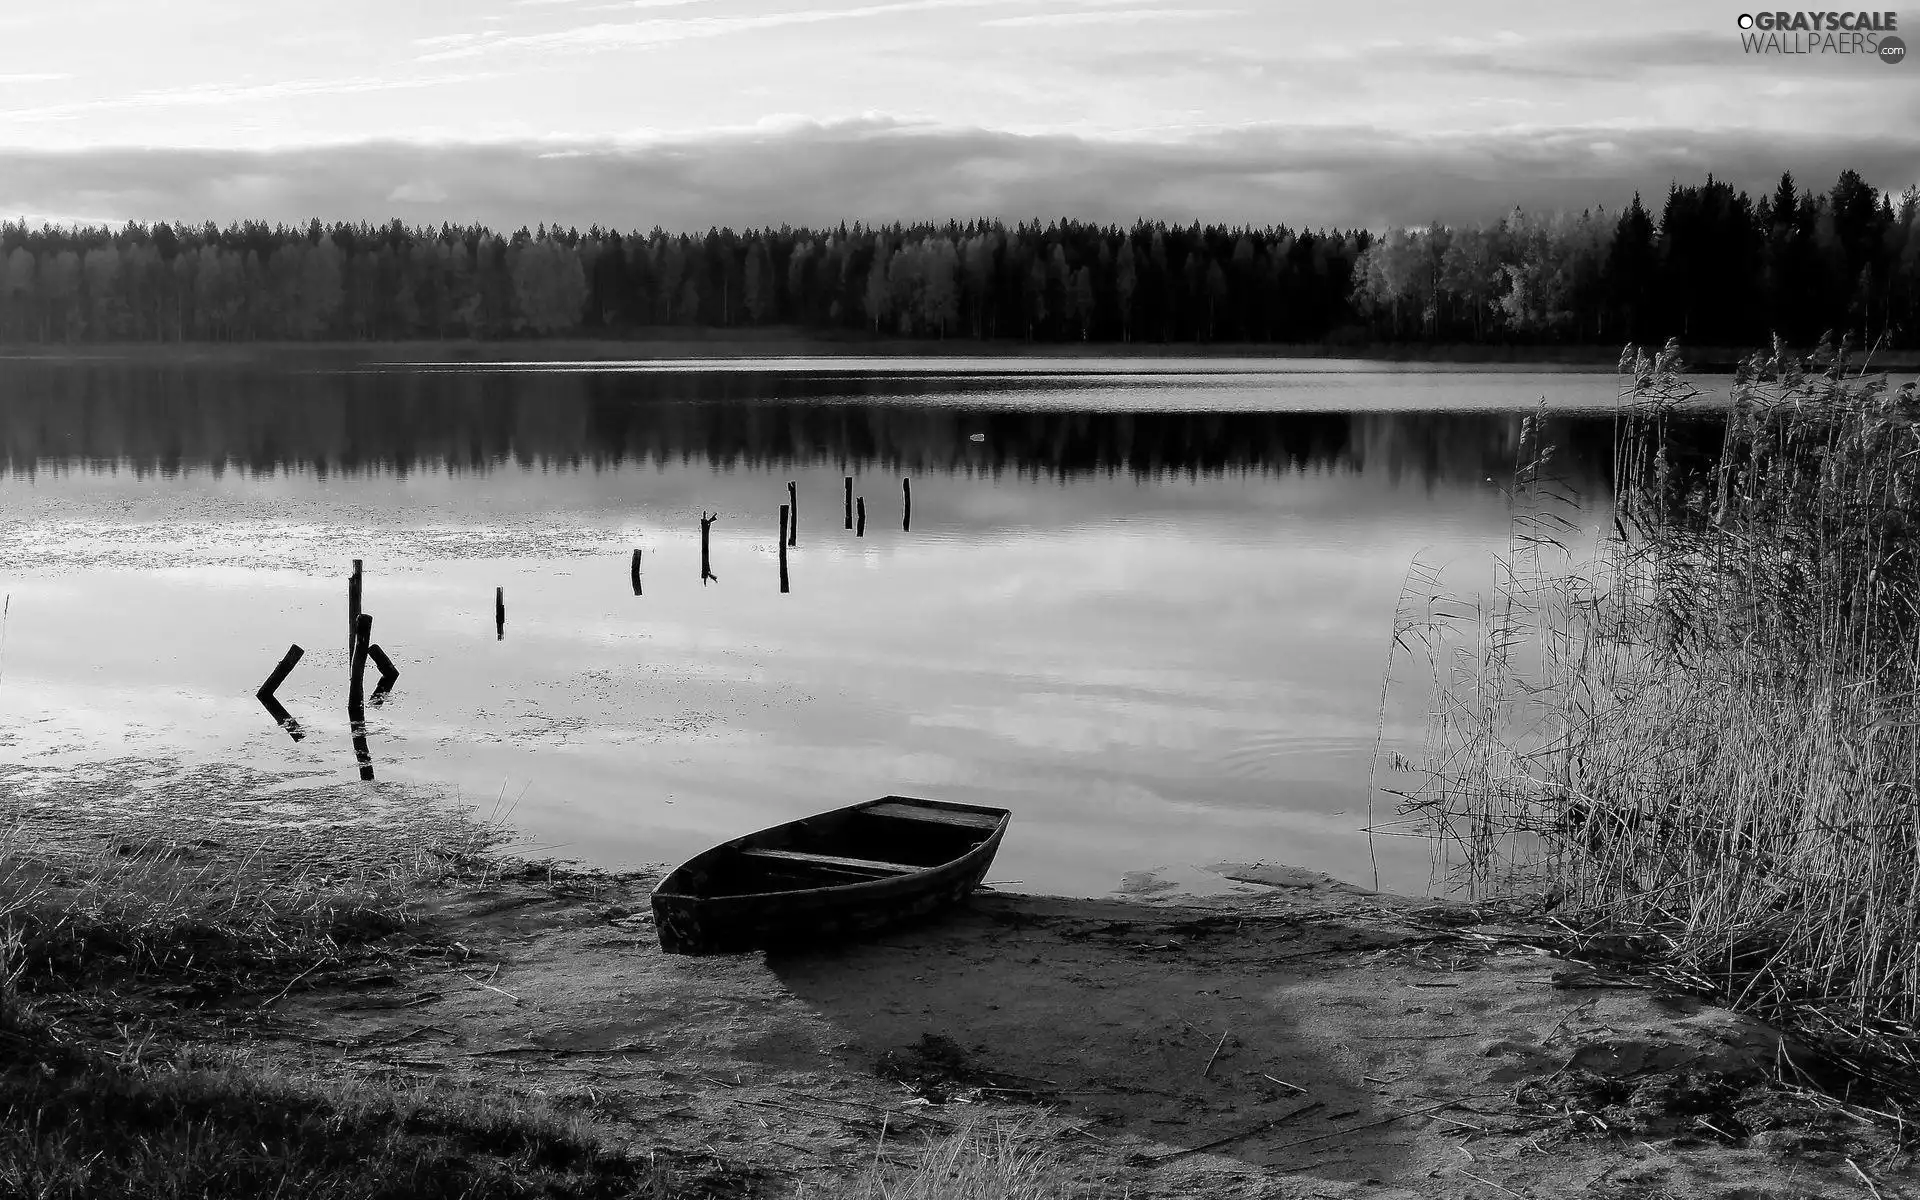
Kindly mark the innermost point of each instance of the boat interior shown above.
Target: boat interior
(886, 840)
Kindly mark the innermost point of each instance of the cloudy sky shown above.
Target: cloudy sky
(688, 113)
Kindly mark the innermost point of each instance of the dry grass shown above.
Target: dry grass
(991, 1157)
(128, 931)
(1705, 726)
(95, 1128)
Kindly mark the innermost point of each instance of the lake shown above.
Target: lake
(1146, 605)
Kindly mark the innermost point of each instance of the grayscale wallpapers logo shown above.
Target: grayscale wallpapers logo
(1867, 34)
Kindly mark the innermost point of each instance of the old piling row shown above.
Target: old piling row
(360, 647)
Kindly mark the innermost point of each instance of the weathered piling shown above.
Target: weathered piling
(849, 502)
(793, 516)
(353, 603)
(389, 674)
(356, 702)
(357, 668)
(785, 529)
(271, 703)
(706, 543)
(499, 614)
(362, 754)
(636, 572)
(906, 505)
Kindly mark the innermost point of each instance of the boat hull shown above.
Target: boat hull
(691, 920)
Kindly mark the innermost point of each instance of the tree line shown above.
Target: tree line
(1713, 266)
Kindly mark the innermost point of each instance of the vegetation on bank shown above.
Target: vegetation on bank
(1714, 264)
(1700, 727)
(136, 972)
(130, 975)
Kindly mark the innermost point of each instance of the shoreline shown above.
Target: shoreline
(1311, 1037)
(680, 345)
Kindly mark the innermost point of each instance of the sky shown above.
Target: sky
(691, 113)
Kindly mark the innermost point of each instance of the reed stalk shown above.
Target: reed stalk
(1703, 724)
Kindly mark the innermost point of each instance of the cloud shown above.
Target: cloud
(418, 193)
(35, 77)
(659, 31)
(215, 94)
(1113, 16)
(880, 170)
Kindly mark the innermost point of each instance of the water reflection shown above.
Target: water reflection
(166, 421)
(1156, 635)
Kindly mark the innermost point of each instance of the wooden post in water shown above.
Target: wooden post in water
(793, 516)
(353, 603)
(356, 702)
(706, 559)
(499, 614)
(271, 703)
(357, 668)
(636, 572)
(785, 529)
(362, 754)
(906, 505)
(849, 502)
(860, 509)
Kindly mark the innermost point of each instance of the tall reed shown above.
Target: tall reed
(1705, 726)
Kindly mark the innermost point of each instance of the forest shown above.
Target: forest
(1711, 265)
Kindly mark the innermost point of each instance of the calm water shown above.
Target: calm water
(1147, 606)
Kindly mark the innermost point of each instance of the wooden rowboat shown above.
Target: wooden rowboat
(842, 873)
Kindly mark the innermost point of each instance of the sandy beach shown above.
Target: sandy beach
(1313, 1040)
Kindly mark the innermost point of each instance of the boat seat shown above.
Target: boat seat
(869, 865)
(940, 816)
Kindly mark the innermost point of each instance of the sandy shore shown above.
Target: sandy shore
(1309, 1041)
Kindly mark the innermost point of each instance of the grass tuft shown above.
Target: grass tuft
(992, 1157)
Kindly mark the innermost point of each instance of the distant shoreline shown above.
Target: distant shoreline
(771, 344)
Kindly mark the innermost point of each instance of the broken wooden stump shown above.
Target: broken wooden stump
(389, 674)
(793, 519)
(784, 531)
(906, 505)
(636, 572)
(499, 614)
(860, 510)
(271, 703)
(849, 502)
